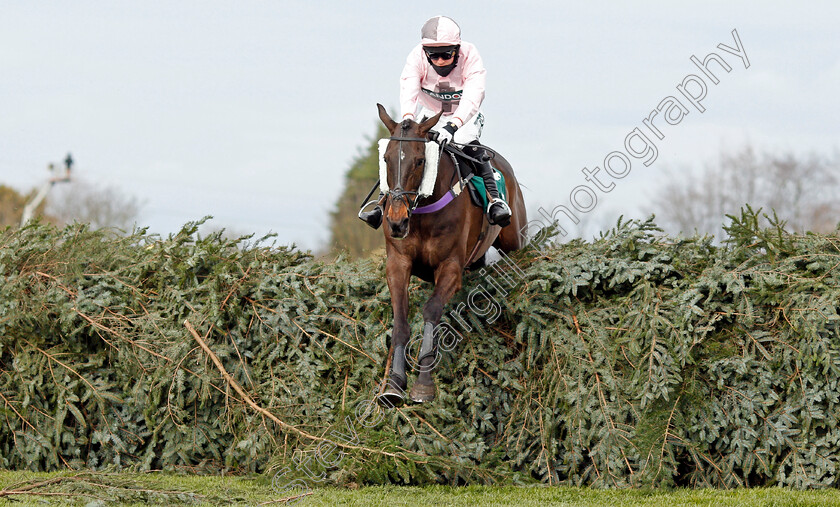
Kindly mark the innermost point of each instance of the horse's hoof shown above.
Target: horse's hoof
(391, 398)
(394, 395)
(422, 393)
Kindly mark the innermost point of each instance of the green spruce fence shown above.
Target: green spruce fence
(633, 360)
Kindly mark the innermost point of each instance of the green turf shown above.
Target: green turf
(137, 489)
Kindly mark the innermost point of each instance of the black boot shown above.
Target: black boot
(373, 217)
(498, 212)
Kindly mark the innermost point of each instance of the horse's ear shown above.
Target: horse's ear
(428, 124)
(383, 115)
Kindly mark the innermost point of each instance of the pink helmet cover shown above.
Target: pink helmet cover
(440, 31)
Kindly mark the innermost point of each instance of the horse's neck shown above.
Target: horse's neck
(445, 179)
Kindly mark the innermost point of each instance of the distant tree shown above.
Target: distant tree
(11, 206)
(802, 191)
(81, 201)
(12, 203)
(347, 232)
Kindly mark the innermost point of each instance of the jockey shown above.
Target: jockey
(444, 73)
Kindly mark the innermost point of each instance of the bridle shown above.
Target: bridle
(409, 198)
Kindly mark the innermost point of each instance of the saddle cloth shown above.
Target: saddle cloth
(478, 191)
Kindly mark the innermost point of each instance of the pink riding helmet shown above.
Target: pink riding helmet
(440, 31)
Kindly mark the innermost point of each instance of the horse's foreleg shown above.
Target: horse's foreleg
(447, 283)
(398, 275)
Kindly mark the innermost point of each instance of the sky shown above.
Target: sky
(252, 111)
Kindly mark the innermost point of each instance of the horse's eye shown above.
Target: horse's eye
(420, 161)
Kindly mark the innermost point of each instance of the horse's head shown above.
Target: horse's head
(405, 158)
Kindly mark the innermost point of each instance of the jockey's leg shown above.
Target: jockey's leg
(498, 212)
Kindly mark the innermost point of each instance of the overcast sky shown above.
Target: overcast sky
(252, 111)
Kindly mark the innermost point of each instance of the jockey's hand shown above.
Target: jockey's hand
(447, 132)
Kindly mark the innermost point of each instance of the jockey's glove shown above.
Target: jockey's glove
(447, 132)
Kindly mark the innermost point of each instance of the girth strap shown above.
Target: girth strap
(441, 203)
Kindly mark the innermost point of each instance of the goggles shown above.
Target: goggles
(440, 54)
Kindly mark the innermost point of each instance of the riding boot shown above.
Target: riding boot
(498, 212)
(373, 217)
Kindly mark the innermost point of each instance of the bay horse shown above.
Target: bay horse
(436, 246)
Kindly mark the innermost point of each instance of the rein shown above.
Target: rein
(456, 148)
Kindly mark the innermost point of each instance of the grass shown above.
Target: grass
(141, 489)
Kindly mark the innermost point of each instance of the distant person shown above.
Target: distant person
(444, 73)
(68, 163)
